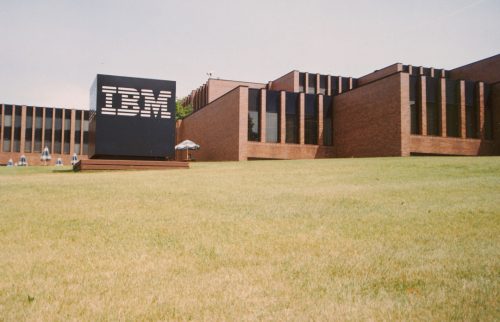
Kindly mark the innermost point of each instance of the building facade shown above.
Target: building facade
(27, 130)
(399, 110)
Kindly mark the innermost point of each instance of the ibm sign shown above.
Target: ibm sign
(132, 118)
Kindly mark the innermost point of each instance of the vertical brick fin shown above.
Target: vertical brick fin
(72, 133)
(306, 82)
(329, 85)
(423, 106)
(320, 120)
(301, 118)
(282, 117)
(262, 113)
(442, 96)
(480, 105)
(462, 110)
(317, 84)
(405, 122)
(2, 113)
(22, 142)
(243, 123)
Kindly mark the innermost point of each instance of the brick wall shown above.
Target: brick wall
(487, 70)
(288, 82)
(381, 73)
(288, 151)
(450, 146)
(216, 128)
(219, 87)
(369, 121)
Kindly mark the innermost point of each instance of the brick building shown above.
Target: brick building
(399, 110)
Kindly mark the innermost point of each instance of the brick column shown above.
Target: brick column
(81, 131)
(33, 122)
(462, 109)
(317, 83)
(339, 87)
(22, 139)
(301, 118)
(442, 87)
(329, 85)
(72, 133)
(423, 106)
(296, 76)
(350, 83)
(262, 115)
(432, 71)
(43, 127)
(63, 128)
(282, 117)
(53, 111)
(480, 104)
(320, 119)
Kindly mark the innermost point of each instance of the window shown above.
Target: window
(17, 128)
(414, 105)
(452, 109)
(38, 129)
(345, 84)
(311, 86)
(327, 120)
(272, 116)
(488, 114)
(433, 110)
(310, 120)
(86, 132)
(471, 110)
(253, 114)
(28, 132)
(322, 84)
(78, 131)
(292, 118)
(49, 114)
(7, 130)
(58, 131)
(334, 85)
(67, 130)
(302, 82)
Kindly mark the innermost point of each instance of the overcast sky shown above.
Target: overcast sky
(52, 50)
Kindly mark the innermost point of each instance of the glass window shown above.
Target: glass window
(345, 84)
(302, 81)
(28, 132)
(488, 115)
(310, 120)
(86, 132)
(471, 110)
(311, 86)
(49, 114)
(452, 108)
(38, 129)
(7, 130)
(292, 118)
(272, 116)
(334, 86)
(414, 105)
(58, 131)
(78, 131)
(327, 120)
(322, 84)
(17, 128)
(67, 130)
(433, 110)
(253, 114)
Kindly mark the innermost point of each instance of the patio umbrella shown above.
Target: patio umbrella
(74, 159)
(23, 161)
(59, 162)
(45, 156)
(10, 163)
(187, 145)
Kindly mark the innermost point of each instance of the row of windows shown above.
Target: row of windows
(337, 84)
(292, 117)
(433, 111)
(36, 137)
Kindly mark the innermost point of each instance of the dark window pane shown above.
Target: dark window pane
(471, 110)
(452, 109)
(334, 85)
(58, 131)
(432, 98)
(253, 114)
(292, 118)
(48, 127)
(345, 84)
(322, 84)
(327, 120)
(310, 120)
(414, 105)
(86, 132)
(7, 131)
(28, 133)
(272, 116)
(488, 115)
(311, 86)
(302, 81)
(67, 130)
(17, 129)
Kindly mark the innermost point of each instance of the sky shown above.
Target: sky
(52, 50)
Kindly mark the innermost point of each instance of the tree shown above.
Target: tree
(182, 111)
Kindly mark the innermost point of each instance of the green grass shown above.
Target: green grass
(341, 239)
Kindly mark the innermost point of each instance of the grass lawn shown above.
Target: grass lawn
(340, 239)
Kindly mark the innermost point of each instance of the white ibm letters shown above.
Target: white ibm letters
(156, 107)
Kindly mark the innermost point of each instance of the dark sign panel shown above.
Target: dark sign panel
(132, 118)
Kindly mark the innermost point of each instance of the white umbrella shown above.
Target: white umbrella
(10, 163)
(23, 161)
(74, 159)
(59, 162)
(187, 145)
(45, 156)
